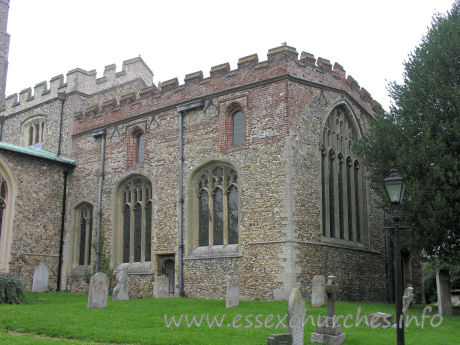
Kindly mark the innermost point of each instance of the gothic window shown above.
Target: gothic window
(33, 132)
(238, 128)
(343, 185)
(84, 232)
(140, 148)
(217, 189)
(135, 209)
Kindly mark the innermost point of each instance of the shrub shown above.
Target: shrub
(11, 291)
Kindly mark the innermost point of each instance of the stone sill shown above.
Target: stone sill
(335, 242)
(214, 252)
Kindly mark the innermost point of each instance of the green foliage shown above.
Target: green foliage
(104, 261)
(11, 291)
(429, 276)
(420, 137)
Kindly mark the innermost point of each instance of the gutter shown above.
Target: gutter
(96, 134)
(199, 104)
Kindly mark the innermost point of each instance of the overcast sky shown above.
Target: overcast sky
(370, 39)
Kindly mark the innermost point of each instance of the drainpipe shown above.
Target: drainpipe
(100, 133)
(61, 97)
(181, 110)
(2, 120)
(61, 242)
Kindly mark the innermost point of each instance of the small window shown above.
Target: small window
(33, 132)
(84, 234)
(238, 128)
(140, 142)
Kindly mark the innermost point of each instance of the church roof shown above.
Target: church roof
(37, 153)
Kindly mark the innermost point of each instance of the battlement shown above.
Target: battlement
(80, 80)
(283, 61)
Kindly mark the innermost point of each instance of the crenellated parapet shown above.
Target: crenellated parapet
(82, 81)
(282, 62)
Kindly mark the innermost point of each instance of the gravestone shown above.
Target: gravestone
(279, 339)
(408, 298)
(98, 291)
(41, 275)
(379, 320)
(443, 291)
(120, 292)
(233, 291)
(296, 316)
(327, 332)
(161, 287)
(318, 290)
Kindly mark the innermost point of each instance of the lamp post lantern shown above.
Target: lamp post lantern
(395, 186)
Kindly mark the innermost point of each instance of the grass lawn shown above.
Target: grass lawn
(65, 316)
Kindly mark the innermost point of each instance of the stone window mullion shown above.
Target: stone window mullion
(87, 240)
(336, 197)
(211, 219)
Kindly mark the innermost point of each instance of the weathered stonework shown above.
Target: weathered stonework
(285, 100)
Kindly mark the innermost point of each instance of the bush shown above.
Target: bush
(104, 261)
(11, 291)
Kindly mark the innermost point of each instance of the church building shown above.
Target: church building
(249, 172)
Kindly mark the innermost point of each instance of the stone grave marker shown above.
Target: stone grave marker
(161, 287)
(41, 275)
(120, 292)
(296, 316)
(279, 339)
(328, 332)
(408, 298)
(318, 290)
(98, 291)
(443, 292)
(233, 291)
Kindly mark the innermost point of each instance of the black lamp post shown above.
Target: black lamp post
(395, 186)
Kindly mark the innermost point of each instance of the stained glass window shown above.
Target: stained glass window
(218, 220)
(238, 128)
(217, 186)
(136, 198)
(85, 232)
(140, 148)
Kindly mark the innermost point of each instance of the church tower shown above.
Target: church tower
(4, 47)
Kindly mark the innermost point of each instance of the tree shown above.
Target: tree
(420, 137)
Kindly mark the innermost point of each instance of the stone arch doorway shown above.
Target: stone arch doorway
(169, 271)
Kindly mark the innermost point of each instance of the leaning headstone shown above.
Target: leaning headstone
(408, 298)
(161, 287)
(379, 320)
(328, 332)
(279, 339)
(41, 275)
(296, 316)
(98, 291)
(233, 291)
(318, 290)
(120, 292)
(443, 290)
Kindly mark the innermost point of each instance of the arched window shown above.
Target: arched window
(135, 229)
(343, 185)
(140, 148)
(217, 200)
(238, 128)
(84, 233)
(33, 132)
